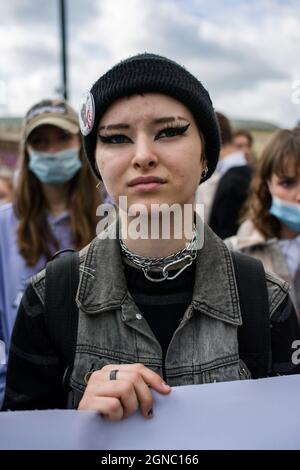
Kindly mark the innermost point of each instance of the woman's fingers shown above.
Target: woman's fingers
(120, 390)
(150, 377)
(110, 408)
(142, 378)
(141, 389)
(131, 387)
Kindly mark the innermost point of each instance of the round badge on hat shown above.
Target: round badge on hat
(87, 113)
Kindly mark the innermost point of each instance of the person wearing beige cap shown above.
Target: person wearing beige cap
(52, 211)
(51, 131)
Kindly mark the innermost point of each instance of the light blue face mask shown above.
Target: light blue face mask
(287, 212)
(56, 167)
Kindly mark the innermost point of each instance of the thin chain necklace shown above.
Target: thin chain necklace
(162, 265)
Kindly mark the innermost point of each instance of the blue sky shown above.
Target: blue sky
(245, 52)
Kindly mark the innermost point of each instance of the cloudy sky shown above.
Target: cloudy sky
(247, 53)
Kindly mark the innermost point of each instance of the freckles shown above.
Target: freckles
(101, 163)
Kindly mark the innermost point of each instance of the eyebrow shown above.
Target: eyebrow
(114, 126)
(169, 119)
(287, 177)
(122, 125)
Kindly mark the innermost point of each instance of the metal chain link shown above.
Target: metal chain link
(188, 254)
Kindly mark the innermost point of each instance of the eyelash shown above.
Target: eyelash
(176, 130)
(108, 139)
(287, 183)
(173, 131)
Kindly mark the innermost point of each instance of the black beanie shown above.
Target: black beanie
(153, 74)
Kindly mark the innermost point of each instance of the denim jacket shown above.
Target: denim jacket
(111, 329)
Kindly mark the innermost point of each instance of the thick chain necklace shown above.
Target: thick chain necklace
(162, 265)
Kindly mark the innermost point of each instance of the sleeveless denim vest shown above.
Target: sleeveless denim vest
(112, 330)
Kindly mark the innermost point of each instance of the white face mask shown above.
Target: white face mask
(54, 167)
(287, 212)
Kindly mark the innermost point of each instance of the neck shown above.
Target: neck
(157, 241)
(56, 197)
(227, 150)
(286, 233)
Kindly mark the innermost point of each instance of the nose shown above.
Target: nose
(144, 156)
(53, 146)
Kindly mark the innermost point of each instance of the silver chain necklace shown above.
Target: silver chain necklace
(162, 265)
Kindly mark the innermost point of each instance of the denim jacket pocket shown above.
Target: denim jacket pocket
(228, 370)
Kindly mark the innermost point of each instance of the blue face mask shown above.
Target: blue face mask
(287, 212)
(56, 167)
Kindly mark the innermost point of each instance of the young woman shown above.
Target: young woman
(271, 228)
(156, 310)
(52, 210)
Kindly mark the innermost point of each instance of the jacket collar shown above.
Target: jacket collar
(248, 237)
(103, 286)
(215, 291)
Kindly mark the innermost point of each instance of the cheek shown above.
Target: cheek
(193, 168)
(106, 164)
(103, 166)
(188, 159)
(187, 175)
(286, 194)
(112, 169)
(283, 193)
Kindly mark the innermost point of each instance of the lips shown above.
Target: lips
(144, 180)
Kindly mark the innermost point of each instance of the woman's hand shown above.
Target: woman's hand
(119, 398)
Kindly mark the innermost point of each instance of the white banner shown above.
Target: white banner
(250, 414)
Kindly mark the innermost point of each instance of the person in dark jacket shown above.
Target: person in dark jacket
(232, 189)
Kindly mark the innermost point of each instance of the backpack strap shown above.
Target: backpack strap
(254, 335)
(62, 279)
(61, 311)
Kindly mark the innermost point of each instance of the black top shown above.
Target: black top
(230, 196)
(162, 303)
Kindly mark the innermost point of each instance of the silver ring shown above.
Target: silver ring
(113, 374)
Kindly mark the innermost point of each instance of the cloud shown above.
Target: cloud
(246, 53)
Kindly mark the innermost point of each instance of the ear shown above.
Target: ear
(204, 171)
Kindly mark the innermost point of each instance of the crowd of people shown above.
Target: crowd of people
(145, 312)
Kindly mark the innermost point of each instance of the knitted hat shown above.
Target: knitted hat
(149, 73)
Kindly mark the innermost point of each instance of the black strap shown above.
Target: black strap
(61, 311)
(254, 335)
